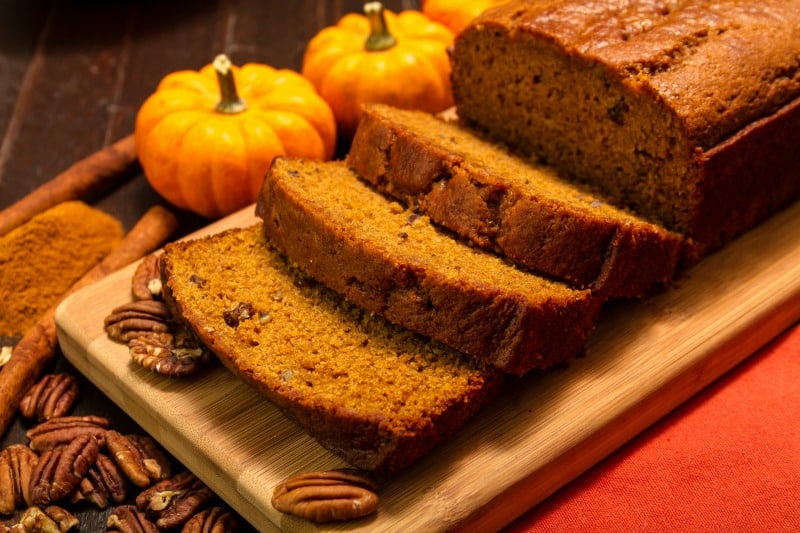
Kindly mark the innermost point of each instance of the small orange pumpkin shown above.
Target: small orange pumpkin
(456, 14)
(395, 59)
(206, 149)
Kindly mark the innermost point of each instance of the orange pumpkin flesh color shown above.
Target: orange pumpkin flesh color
(206, 149)
(395, 59)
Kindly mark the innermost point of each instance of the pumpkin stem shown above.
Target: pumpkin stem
(229, 102)
(379, 38)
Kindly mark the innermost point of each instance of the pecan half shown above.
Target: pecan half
(61, 430)
(172, 356)
(134, 319)
(53, 519)
(212, 520)
(60, 470)
(66, 521)
(342, 494)
(139, 457)
(50, 397)
(17, 463)
(102, 484)
(172, 502)
(127, 519)
(34, 519)
(146, 281)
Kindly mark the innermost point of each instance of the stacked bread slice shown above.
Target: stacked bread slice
(383, 298)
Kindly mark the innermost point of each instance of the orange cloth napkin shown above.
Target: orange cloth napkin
(728, 460)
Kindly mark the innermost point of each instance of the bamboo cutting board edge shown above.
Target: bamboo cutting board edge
(644, 359)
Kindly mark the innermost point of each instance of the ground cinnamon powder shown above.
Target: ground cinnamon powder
(41, 259)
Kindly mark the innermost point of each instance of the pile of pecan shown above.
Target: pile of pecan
(154, 339)
(81, 460)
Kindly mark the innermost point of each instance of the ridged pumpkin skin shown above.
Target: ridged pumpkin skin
(412, 74)
(212, 162)
(456, 14)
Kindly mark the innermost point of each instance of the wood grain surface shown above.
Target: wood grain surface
(643, 360)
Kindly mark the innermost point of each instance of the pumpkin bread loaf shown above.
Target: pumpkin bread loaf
(375, 394)
(526, 211)
(394, 262)
(688, 111)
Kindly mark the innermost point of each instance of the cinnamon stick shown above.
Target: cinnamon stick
(37, 347)
(105, 167)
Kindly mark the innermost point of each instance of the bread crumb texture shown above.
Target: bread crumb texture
(304, 342)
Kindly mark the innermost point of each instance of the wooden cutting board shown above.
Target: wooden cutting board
(643, 360)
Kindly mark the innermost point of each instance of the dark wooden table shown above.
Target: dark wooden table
(73, 74)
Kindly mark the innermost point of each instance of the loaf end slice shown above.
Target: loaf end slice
(375, 394)
(523, 210)
(394, 262)
(686, 111)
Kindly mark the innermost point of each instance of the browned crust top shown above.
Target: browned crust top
(717, 65)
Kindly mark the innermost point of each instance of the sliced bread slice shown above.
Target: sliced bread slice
(521, 209)
(375, 394)
(396, 263)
